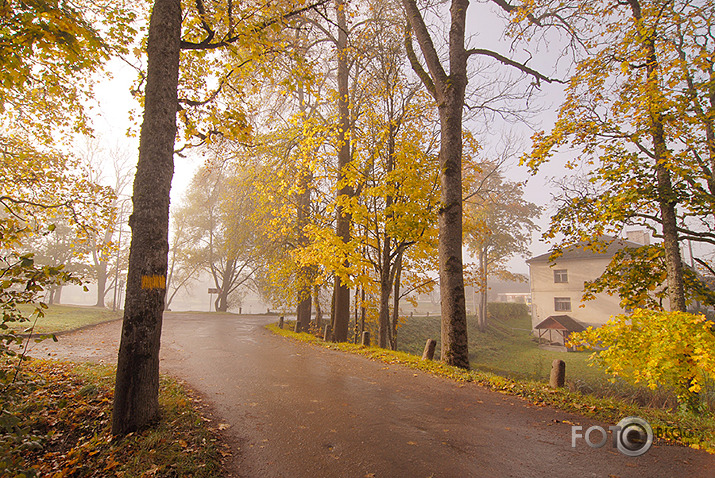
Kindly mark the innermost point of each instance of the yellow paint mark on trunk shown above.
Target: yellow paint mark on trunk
(153, 282)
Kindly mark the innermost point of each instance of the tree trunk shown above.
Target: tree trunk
(305, 273)
(396, 302)
(101, 283)
(318, 309)
(384, 312)
(448, 91)
(341, 317)
(453, 308)
(136, 403)
(666, 196)
(483, 287)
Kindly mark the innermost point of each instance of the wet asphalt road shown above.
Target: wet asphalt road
(297, 410)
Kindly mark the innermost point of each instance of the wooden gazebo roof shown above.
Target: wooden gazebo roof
(560, 322)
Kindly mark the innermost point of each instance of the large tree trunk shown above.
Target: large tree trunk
(305, 273)
(341, 316)
(448, 91)
(318, 308)
(451, 275)
(225, 286)
(396, 302)
(384, 311)
(136, 403)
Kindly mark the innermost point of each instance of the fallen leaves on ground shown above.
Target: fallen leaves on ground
(62, 422)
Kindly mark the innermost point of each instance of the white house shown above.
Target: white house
(557, 288)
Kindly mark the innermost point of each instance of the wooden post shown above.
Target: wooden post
(428, 353)
(280, 322)
(558, 373)
(366, 338)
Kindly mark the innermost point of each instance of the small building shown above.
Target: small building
(557, 286)
(556, 329)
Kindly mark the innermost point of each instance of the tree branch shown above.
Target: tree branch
(416, 65)
(520, 66)
(206, 44)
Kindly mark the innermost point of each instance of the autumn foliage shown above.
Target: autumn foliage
(671, 349)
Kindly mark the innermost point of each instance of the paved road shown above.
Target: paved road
(297, 410)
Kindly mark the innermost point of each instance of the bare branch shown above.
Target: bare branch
(520, 66)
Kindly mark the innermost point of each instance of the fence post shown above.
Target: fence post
(558, 374)
(366, 338)
(428, 353)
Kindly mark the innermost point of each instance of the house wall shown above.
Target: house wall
(543, 291)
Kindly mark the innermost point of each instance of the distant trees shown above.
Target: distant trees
(217, 233)
(47, 53)
(498, 225)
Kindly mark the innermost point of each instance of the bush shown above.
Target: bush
(672, 349)
(507, 310)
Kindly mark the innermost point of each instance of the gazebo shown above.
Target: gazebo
(563, 325)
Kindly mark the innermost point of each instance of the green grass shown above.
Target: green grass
(62, 318)
(508, 348)
(505, 348)
(59, 416)
(610, 408)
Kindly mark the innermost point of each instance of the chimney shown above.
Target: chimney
(640, 236)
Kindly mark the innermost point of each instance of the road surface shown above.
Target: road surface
(297, 410)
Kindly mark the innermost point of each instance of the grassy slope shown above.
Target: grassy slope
(505, 348)
(61, 318)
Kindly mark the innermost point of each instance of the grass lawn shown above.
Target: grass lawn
(506, 348)
(56, 422)
(61, 318)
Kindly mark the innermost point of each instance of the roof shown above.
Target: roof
(560, 322)
(585, 250)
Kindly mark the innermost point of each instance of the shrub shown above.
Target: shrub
(507, 310)
(673, 349)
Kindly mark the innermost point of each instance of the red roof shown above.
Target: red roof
(560, 322)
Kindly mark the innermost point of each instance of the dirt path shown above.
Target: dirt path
(297, 410)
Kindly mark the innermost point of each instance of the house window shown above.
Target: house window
(562, 304)
(561, 276)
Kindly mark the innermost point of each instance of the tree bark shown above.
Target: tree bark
(136, 403)
(318, 309)
(384, 311)
(341, 316)
(448, 91)
(396, 301)
(305, 273)
(667, 199)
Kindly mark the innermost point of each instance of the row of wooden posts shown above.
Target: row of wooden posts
(558, 367)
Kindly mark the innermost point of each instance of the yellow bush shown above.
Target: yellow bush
(673, 349)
